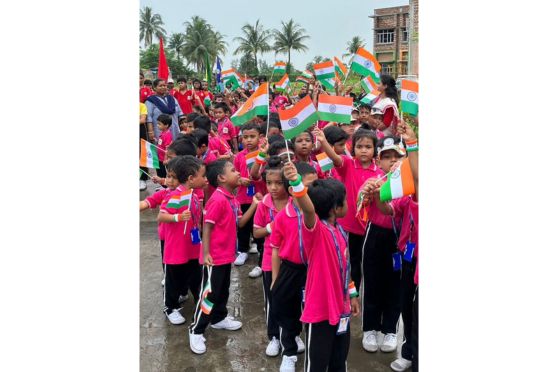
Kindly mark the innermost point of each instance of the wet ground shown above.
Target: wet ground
(164, 347)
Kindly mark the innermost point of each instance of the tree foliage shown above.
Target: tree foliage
(149, 59)
(290, 37)
(254, 40)
(151, 25)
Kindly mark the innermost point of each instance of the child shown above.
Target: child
(181, 146)
(303, 146)
(218, 146)
(222, 215)
(288, 265)
(247, 189)
(225, 128)
(353, 172)
(164, 123)
(380, 292)
(330, 297)
(337, 138)
(201, 139)
(181, 226)
(267, 210)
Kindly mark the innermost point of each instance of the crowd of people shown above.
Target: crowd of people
(328, 248)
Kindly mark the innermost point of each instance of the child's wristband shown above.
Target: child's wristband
(353, 292)
(298, 188)
(300, 194)
(296, 182)
(260, 159)
(268, 228)
(175, 217)
(411, 142)
(412, 148)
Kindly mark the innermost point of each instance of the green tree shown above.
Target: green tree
(317, 59)
(199, 38)
(353, 45)
(149, 59)
(175, 42)
(247, 66)
(290, 37)
(255, 40)
(265, 68)
(151, 25)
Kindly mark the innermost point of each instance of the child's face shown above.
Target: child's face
(250, 139)
(364, 115)
(309, 178)
(219, 113)
(274, 184)
(230, 176)
(284, 156)
(379, 121)
(161, 126)
(171, 180)
(201, 150)
(341, 211)
(387, 159)
(303, 144)
(273, 131)
(181, 85)
(199, 180)
(170, 154)
(364, 150)
(349, 128)
(339, 147)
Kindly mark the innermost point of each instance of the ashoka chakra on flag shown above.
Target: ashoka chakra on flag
(367, 63)
(332, 108)
(293, 122)
(411, 96)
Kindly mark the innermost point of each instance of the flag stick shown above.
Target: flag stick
(156, 146)
(287, 147)
(346, 76)
(267, 129)
(147, 174)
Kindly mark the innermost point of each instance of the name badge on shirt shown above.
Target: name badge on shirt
(396, 261)
(251, 190)
(225, 130)
(409, 249)
(195, 235)
(343, 324)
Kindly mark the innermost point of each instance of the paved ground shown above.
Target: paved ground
(164, 347)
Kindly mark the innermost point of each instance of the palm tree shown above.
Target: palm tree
(150, 24)
(175, 42)
(254, 41)
(291, 36)
(199, 39)
(353, 45)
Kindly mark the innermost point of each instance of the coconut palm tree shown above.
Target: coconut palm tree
(353, 45)
(151, 25)
(290, 37)
(175, 42)
(199, 39)
(254, 41)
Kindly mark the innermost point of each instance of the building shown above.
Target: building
(395, 37)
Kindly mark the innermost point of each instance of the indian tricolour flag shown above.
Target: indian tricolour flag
(368, 84)
(279, 68)
(324, 70)
(232, 77)
(303, 79)
(282, 84)
(324, 161)
(399, 183)
(335, 108)
(364, 63)
(251, 158)
(180, 200)
(340, 68)
(299, 118)
(409, 97)
(206, 306)
(148, 155)
(308, 74)
(257, 104)
(369, 97)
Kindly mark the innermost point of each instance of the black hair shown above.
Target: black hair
(274, 163)
(366, 106)
(147, 82)
(191, 116)
(203, 122)
(365, 126)
(165, 119)
(196, 81)
(181, 80)
(179, 166)
(306, 131)
(273, 116)
(325, 195)
(214, 170)
(396, 140)
(304, 168)
(201, 137)
(223, 106)
(156, 82)
(278, 145)
(335, 134)
(391, 90)
(183, 145)
(363, 133)
(275, 138)
(252, 126)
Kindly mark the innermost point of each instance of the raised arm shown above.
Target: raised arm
(408, 134)
(319, 134)
(301, 195)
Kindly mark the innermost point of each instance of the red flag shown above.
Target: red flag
(163, 71)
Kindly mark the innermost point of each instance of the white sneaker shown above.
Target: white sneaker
(288, 364)
(143, 185)
(197, 343)
(401, 364)
(390, 343)
(182, 299)
(253, 248)
(241, 259)
(228, 323)
(163, 282)
(369, 342)
(300, 345)
(273, 347)
(175, 317)
(256, 272)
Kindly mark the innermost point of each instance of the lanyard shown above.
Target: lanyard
(344, 276)
(395, 229)
(235, 212)
(412, 225)
(270, 215)
(300, 247)
(196, 203)
(204, 155)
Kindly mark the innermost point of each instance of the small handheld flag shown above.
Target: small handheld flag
(181, 200)
(409, 97)
(399, 183)
(251, 158)
(335, 108)
(298, 118)
(324, 161)
(257, 104)
(148, 155)
(279, 68)
(365, 64)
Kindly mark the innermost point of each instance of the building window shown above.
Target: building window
(403, 69)
(405, 35)
(385, 36)
(387, 68)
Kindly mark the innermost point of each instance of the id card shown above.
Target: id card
(409, 249)
(343, 324)
(396, 257)
(251, 190)
(195, 235)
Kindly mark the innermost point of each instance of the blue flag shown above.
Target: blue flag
(219, 82)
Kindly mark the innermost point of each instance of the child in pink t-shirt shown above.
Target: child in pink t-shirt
(225, 127)
(181, 214)
(288, 270)
(222, 214)
(164, 123)
(218, 146)
(330, 297)
(272, 203)
(337, 139)
(303, 146)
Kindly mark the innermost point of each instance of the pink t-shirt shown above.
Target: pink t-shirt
(155, 200)
(324, 284)
(218, 146)
(178, 245)
(240, 165)
(353, 176)
(165, 139)
(266, 213)
(280, 102)
(225, 129)
(285, 235)
(316, 166)
(407, 209)
(222, 210)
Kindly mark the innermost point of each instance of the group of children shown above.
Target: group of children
(322, 253)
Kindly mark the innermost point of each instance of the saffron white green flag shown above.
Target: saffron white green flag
(299, 118)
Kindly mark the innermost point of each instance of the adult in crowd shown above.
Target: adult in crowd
(170, 86)
(162, 103)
